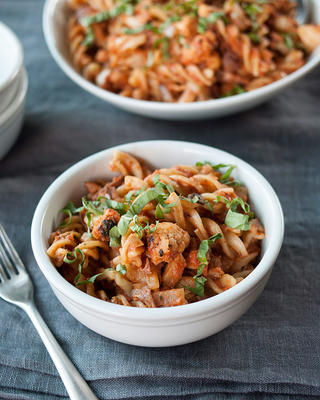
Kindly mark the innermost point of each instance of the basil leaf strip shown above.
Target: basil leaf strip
(115, 205)
(91, 207)
(74, 254)
(200, 280)
(114, 236)
(69, 210)
(93, 278)
(121, 269)
(234, 219)
(145, 198)
(237, 220)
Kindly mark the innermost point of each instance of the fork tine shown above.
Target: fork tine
(3, 275)
(8, 265)
(11, 250)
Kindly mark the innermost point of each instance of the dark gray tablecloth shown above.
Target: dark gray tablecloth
(272, 352)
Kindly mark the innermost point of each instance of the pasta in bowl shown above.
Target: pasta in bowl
(181, 278)
(157, 239)
(198, 56)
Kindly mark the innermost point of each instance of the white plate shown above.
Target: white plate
(54, 26)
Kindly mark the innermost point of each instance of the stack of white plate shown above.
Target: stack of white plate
(13, 88)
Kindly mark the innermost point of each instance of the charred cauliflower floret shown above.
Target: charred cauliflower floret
(104, 223)
(166, 242)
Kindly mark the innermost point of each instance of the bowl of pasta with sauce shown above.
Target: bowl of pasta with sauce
(185, 59)
(158, 243)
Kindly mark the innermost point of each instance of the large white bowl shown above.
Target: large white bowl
(12, 118)
(161, 326)
(54, 26)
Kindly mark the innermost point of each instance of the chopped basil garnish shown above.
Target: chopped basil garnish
(91, 206)
(200, 280)
(136, 207)
(115, 237)
(74, 258)
(145, 198)
(234, 219)
(134, 193)
(93, 278)
(211, 19)
(89, 216)
(168, 22)
(121, 269)
(288, 40)
(115, 205)
(254, 37)
(225, 178)
(235, 90)
(252, 10)
(237, 220)
(69, 210)
(145, 27)
(139, 228)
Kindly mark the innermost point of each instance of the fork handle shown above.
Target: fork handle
(76, 386)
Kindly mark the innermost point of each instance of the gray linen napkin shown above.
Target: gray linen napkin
(272, 352)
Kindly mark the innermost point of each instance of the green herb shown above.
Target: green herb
(115, 205)
(203, 250)
(91, 206)
(252, 10)
(134, 193)
(139, 228)
(168, 22)
(211, 19)
(89, 38)
(125, 7)
(121, 269)
(164, 41)
(202, 25)
(162, 207)
(234, 219)
(145, 198)
(160, 186)
(89, 216)
(93, 278)
(136, 208)
(114, 236)
(254, 37)
(145, 27)
(237, 220)
(69, 210)
(288, 40)
(69, 260)
(225, 178)
(200, 280)
(235, 90)
(189, 7)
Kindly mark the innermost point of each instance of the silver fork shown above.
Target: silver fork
(16, 288)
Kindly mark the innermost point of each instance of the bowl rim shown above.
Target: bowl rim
(169, 108)
(211, 305)
(19, 62)
(15, 104)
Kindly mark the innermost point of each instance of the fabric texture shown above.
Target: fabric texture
(272, 352)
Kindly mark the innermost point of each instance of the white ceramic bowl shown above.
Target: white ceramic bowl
(54, 26)
(12, 117)
(10, 66)
(162, 326)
